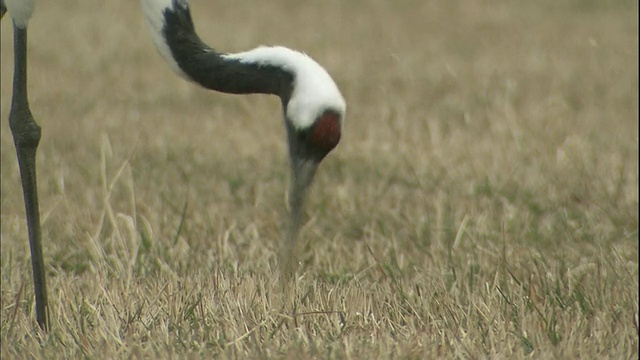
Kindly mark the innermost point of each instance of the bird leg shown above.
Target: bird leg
(26, 136)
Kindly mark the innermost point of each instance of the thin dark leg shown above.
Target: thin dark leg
(26, 136)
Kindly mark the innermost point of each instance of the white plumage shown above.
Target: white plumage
(153, 15)
(21, 11)
(314, 89)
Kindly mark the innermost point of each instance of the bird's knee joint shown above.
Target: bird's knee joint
(26, 134)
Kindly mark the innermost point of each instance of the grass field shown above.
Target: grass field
(483, 202)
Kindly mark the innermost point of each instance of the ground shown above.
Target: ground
(483, 201)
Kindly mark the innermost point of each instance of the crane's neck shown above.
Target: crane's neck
(173, 32)
(20, 10)
(305, 87)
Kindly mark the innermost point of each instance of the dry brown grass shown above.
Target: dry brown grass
(483, 201)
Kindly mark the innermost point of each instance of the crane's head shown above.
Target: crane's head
(309, 145)
(314, 109)
(314, 115)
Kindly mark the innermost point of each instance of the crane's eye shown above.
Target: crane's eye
(325, 133)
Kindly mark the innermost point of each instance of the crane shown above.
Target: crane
(312, 104)
(313, 107)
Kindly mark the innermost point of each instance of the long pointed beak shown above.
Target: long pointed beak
(302, 172)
